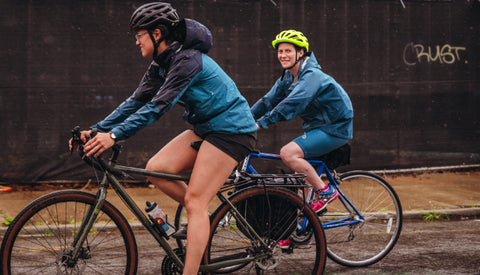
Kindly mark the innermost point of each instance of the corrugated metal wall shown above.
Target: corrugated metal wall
(412, 74)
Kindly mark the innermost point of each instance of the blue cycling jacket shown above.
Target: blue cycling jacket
(183, 73)
(314, 96)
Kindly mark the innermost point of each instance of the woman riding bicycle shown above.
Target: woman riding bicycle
(182, 72)
(304, 90)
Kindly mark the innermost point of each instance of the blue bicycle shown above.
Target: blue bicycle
(361, 226)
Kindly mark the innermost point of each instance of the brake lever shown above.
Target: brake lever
(76, 140)
(76, 137)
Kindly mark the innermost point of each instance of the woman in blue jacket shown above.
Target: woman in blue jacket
(181, 72)
(305, 91)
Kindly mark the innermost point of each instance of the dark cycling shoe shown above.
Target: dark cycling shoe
(181, 233)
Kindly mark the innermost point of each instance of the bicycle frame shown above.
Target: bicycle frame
(322, 167)
(109, 179)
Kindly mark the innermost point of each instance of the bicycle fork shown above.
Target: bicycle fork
(77, 250)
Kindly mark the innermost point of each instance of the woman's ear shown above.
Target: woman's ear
(301, 53)
(157, 34)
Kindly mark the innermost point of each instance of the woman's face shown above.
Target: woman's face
(286, 54)
(144, 41)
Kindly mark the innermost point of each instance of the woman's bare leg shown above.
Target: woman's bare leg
(212, 168)
(175, 157)
(292, 155)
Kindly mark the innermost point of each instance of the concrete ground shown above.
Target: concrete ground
(454, 193)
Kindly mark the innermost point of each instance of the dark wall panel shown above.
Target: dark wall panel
(412, 74)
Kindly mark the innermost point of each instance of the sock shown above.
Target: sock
(326, 189)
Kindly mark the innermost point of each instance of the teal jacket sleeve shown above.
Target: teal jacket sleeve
(146, 115)
(268, 102)
(293, 102)
(123, 111)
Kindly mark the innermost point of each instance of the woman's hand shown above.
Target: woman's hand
(98, 144)
(83, 136)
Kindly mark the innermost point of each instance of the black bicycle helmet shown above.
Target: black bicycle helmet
(150, 15)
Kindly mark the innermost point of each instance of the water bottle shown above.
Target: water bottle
(159, 217)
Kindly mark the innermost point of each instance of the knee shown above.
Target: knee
(157, 164)
(153, 165)
(188, 204)
(196, 203)
(150, 165)
(287, 154)
(191, 204)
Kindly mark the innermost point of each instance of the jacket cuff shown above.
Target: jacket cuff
(263, 123)
(119, 134)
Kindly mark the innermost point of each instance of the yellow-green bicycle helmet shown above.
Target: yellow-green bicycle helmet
(291, 36)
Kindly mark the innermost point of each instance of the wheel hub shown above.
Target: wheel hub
(271, 262)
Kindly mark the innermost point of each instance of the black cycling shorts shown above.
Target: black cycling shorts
(237, 146)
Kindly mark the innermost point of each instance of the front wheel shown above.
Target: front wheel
(39, 240)
(364, 233)
(274, 214)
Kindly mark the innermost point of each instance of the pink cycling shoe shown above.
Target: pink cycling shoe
(284, 244)
(325, 196)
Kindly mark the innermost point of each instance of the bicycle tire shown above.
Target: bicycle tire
(369, 241)
(39, 239)
(261, 208)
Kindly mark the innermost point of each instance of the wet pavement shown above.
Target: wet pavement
(449, 195)
(440, 235)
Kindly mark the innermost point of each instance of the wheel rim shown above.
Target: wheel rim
(379, 222)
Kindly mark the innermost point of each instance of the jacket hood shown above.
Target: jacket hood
(197, 36)
(309, 61)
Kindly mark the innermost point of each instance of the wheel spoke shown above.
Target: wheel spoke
(372, 238)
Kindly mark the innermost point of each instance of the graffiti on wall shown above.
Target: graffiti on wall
(446, 54)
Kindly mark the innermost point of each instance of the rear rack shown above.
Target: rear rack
(290, 181)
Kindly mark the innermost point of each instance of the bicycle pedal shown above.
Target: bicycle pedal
(180, 234)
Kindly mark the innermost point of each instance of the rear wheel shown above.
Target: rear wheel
(39, 240)
(374, 232)
(274, 215)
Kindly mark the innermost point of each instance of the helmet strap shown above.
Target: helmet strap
(156, 44)
(296, 60)
(294, 64)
